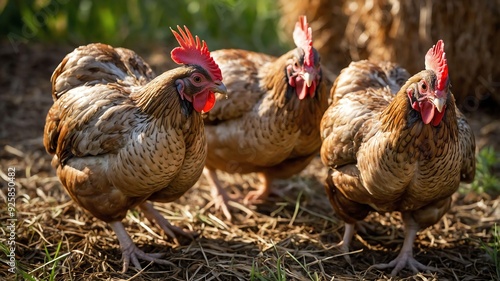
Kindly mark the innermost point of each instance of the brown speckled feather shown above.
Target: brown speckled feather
(113, 147)
(241, 74)
(258, 128)
(381, 155)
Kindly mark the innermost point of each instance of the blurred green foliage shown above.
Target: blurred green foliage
(486, 180)
(248, 24)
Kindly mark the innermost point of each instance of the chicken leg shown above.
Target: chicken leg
(346, 240)
(262, 191)
(153, 215)
(130, 252)
(405, 257)
(219, 194)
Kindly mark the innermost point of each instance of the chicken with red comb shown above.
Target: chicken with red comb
(395, 143)
(269, 125)
(122, 137)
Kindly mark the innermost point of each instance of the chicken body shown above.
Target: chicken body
(383, 157)
(264, 127)
(121, 137)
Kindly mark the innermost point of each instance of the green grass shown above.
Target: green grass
(53, 261)
(20, 271)
(278, 271)
(313, 277)
(486, 180)
(49, 269)
(268, 273)
(492, 249)
(244, 24)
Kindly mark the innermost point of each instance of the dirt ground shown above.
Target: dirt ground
(295, 234)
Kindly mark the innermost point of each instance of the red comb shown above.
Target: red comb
(193, 51)
(435, 60)
(302, 36)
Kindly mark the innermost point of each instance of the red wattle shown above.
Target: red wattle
(438, 117)
(210, 102)
(427, 111)
(301, 89)
(199, 101)
(312, 89)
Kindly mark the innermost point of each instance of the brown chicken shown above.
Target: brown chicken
(395, 146)
(270, 123)
(121, 137)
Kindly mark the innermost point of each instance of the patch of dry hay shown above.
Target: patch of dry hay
(270, 236)
(403, 31)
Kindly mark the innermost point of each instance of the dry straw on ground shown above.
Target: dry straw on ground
(403, 31)
(295, 233)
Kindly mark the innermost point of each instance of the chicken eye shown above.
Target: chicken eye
(423, 86)
(197, 79)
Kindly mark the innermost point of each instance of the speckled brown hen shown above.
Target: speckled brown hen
(394, 147)
(270, 123)
(121, 137)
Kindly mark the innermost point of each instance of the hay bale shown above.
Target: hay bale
(403, 31)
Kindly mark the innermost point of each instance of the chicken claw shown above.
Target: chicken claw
(404, 259)
(261, 193)
(130, 252)
(154, 216)
(255, 196)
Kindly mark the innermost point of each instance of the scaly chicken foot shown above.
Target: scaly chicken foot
(219, 195)
(262, 192)
(405, 257)
(130, 252)
(154, 216)
(403, 260)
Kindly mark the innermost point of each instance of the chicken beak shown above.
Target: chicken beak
(308, 78)
(439, 103)
(220, 88)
